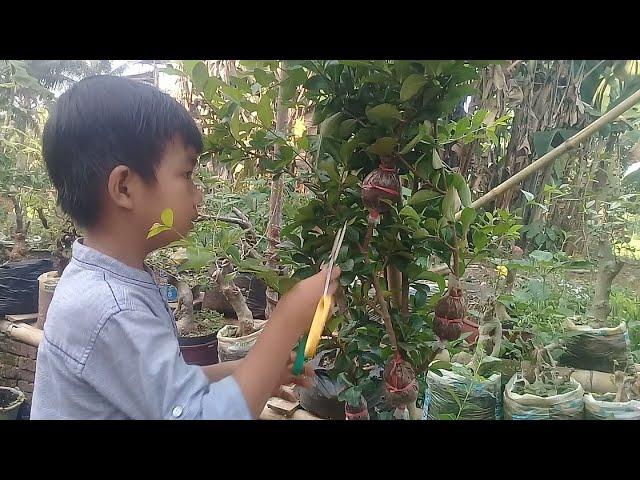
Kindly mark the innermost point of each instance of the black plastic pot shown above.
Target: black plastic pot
(201, 350)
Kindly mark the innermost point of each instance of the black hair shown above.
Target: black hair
(102, 122)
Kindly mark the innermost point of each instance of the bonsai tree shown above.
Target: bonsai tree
(384, 163)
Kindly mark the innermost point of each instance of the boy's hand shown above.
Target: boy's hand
(299, 304)
(305, 379)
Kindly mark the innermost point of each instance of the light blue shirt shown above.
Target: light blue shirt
(110, 351)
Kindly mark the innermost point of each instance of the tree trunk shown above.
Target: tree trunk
(20, 238)
(235, 298)
(19, 216)
(608, 267)
(186, 318)
(275, 199)
(394, 283)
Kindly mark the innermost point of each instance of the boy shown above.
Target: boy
(119, 152)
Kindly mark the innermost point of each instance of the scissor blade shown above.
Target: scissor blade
(337, 244)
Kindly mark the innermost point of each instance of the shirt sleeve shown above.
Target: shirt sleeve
(135, 363)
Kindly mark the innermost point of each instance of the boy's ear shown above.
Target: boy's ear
(119, 186)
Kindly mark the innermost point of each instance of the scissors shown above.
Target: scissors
(308, 345)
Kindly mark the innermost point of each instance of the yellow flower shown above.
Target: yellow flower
(502, 270)
(299, 127)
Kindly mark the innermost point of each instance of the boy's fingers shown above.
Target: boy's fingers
(335, 273)
(309, 371)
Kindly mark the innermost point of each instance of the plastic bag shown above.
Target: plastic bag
(235, 348)
(599, 349)
(321, 399)
(19, 286)
(457, 397)
(566, 406)
(610, 410)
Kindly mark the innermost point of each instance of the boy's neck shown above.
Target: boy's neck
(117, 245)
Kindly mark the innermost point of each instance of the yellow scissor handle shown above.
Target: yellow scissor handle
(317, 327)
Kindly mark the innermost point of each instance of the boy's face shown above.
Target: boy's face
(174, 189)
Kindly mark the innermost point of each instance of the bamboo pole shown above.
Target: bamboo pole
(564, 147)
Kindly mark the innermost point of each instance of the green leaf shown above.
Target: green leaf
(189, 65)
(433, 277)
(210, 88)
(448, 204)
(196, 259)
(542, 142)
(200, 75)
(436, 161)
(423, 167)
(234, 253)
(467, 217)
(541, 256)
(422, 196)
(439, 365)
(167, 217)
(333, 324)
(411, 86)
(384, 114)
(265, 113)
(420, 299)
(347, 127)
(528, 195)
(420, 233)
(478, 118)
(233, 93)
(297, 76)
(408, 211)
(488, 366)
(409, 146)
(172, 71)
(479, 240)
(316, 83)
(263, 78)
(348, 265)
(330, 125)
(157, 228)
(383, 146)
(463, 189)
(234, 125)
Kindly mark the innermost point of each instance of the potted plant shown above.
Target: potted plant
(10, 401)
(542, 391)
(385, 164)
(199, 341)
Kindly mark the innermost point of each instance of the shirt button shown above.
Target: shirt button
(177, 411)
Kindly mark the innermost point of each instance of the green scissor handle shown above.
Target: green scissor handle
(299, 363)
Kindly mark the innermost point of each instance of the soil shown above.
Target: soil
(207, 322)
(629, 276)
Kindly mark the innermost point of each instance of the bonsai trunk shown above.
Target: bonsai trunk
(235, 298)
(275, 199)
(608, 267)
(186, 318)
(394, 282)
(20, 237)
